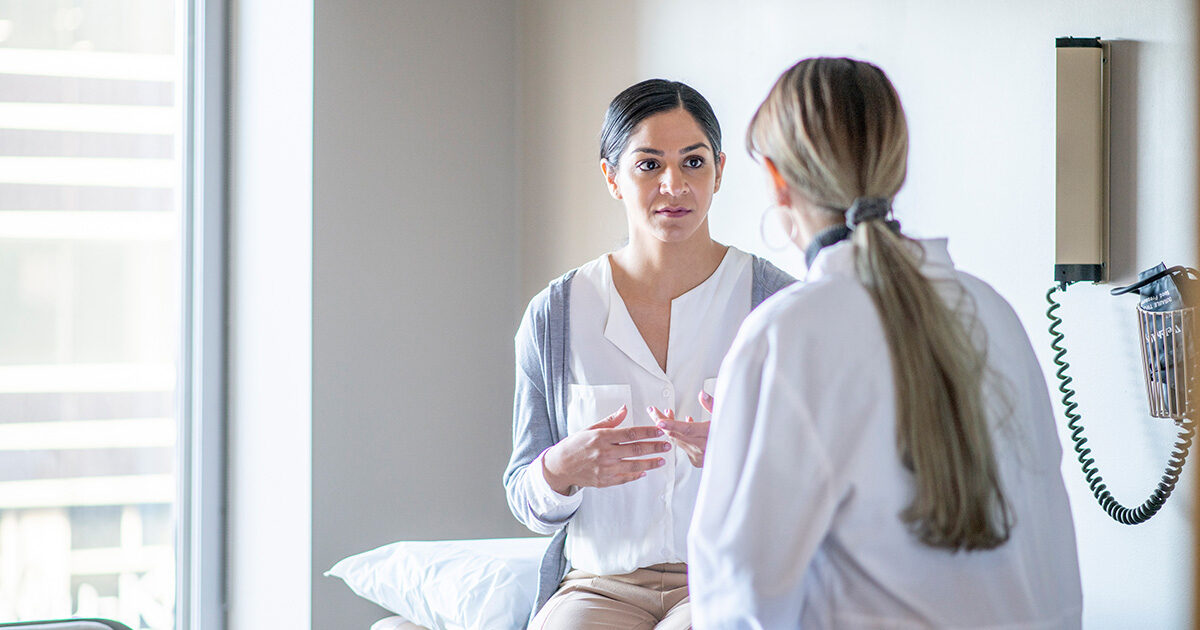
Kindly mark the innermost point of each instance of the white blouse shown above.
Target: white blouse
(622, 528)
(797, 523)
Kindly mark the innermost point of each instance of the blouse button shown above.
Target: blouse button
(667, 393)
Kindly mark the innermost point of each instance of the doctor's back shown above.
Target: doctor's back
(805, 517)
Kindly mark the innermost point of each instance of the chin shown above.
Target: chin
(677, 234)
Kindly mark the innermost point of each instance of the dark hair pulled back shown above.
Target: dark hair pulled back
(645, 99)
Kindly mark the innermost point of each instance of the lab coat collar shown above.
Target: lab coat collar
(833, 234)
(838, 259)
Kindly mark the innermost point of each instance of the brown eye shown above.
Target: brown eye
(694, 162)
(647, 165)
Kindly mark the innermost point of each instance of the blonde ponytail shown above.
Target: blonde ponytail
(941, 428)
(836, 132)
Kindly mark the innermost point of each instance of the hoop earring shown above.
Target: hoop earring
(762, 230)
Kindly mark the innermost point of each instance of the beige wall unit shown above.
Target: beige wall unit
(1081, 160)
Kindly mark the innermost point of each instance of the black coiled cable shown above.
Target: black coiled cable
(1170, 477)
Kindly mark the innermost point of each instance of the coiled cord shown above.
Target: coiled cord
(1170, 477)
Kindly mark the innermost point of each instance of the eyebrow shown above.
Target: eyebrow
(698, 145)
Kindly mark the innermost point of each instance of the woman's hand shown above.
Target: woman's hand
(689, 435)
(599, 456)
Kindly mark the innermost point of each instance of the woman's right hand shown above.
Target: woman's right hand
(599, 456)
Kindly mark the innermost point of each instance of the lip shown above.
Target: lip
(673, 212)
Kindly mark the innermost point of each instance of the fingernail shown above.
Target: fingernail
(661, 425)
(650, 410)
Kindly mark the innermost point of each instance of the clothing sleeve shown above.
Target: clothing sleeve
(533, 433)
(1042, 443)
(768, 280)
(546, 502)
(767, 496)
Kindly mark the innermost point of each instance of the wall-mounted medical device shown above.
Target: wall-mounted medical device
(1081, 160)
(1166, 311)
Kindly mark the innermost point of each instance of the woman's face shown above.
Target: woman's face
(666, 177)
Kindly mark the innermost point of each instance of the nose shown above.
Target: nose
(672, 182)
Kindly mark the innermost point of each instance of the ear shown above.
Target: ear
(783, 194)
(610, 177)
(720, 170)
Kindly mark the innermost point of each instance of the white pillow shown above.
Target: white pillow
(395, 623)
(450, 584)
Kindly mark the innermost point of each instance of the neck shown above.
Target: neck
(663, 271)
(811, 221)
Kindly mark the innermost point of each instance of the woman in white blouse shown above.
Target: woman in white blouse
(882, 453)
(609, 431)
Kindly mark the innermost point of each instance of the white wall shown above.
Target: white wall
(270, 332)
(407, 174)
(977, 80)
(414, 279)
(374, 291)
(574, 57)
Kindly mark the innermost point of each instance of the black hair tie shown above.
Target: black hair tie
(867, 209)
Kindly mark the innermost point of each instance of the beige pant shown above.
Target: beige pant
(652, 598)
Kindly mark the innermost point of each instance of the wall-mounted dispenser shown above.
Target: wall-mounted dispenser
(1166, 312)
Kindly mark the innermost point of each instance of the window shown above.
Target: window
(106, 392)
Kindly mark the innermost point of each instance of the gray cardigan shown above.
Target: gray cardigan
(539, 406)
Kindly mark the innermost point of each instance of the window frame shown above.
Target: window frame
(200, 602)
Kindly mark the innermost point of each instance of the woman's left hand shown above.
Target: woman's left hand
(689, 435)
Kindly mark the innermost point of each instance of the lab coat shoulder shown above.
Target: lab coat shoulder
(775, 382)
(1016, 375)
(804, 312)
(766, 456)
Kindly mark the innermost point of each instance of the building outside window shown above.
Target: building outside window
(92, 308)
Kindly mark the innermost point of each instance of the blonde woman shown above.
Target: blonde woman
(882, 453)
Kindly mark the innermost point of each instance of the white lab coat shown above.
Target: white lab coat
(797, 523)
